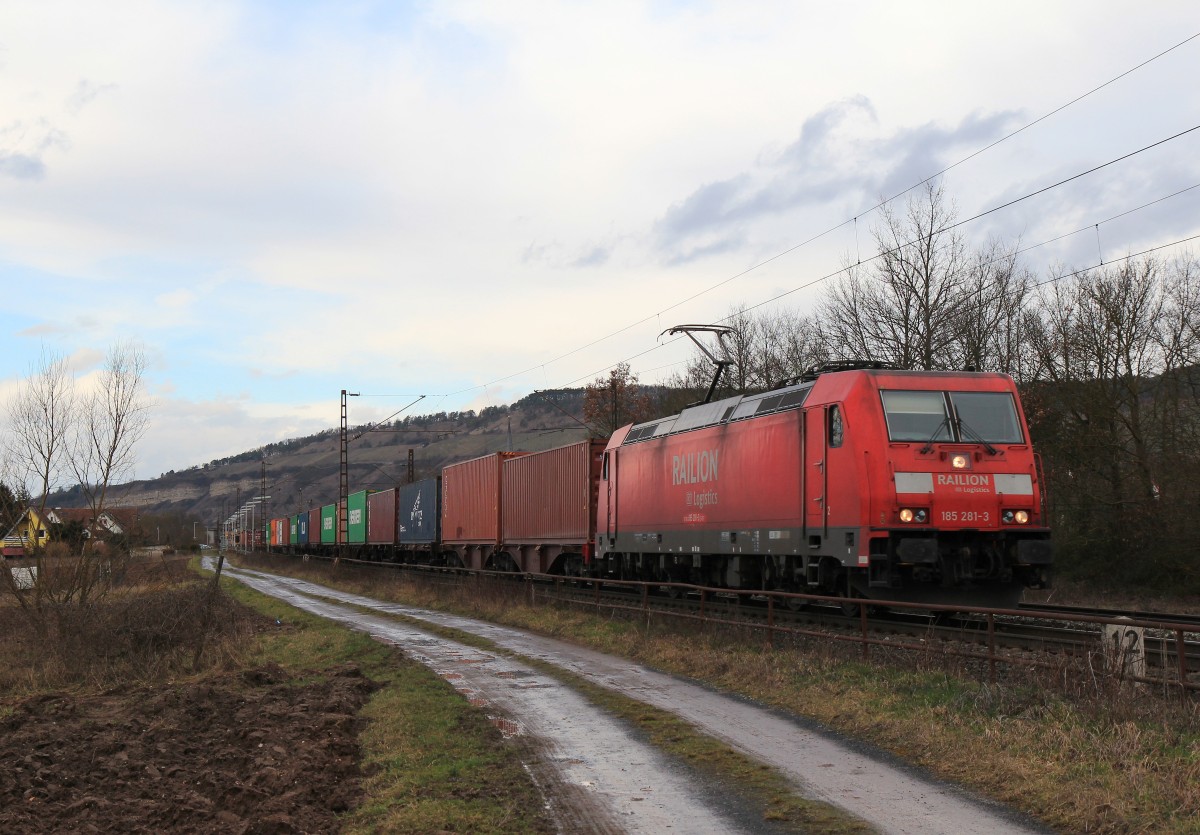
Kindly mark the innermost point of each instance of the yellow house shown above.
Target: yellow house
(31, 528)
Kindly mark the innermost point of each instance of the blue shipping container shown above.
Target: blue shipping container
(419, 514)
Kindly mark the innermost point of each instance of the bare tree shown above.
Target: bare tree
(905, 309)
(796, 344)
(113, 417)
(1113, 405)
(41, 419)
(991, 317)
(107, 423)
(611, 402)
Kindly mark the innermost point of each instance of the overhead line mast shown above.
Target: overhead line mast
(343, 479)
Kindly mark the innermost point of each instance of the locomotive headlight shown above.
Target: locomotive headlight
(1015, 517)
(906, 515)
(921, 515)
(960, 462)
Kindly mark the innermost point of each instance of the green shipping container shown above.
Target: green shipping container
(356, 517)
(329, 525)
(294, 526)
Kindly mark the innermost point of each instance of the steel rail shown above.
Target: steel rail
(987, 635)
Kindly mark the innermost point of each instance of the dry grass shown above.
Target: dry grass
(145, 628)
(1092, 759)
(1073, 593)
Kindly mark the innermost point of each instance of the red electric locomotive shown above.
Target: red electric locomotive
(859, 481)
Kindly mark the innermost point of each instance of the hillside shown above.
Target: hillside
(303, 472)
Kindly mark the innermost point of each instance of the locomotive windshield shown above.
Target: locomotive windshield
(987, 416)
(963, 416)
(916, 415)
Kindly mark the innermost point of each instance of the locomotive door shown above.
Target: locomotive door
(815, 479)
(610, 481)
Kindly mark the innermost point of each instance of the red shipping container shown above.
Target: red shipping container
(550, 497)
(280, 532)
(314, 526)
(381, 517)
(471, 500)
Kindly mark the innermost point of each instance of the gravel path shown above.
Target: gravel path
(594, 762)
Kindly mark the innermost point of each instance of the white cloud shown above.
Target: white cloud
(181, 298)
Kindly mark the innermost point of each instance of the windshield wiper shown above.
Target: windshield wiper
(928, 448)
(967, 432)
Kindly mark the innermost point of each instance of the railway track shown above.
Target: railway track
(1034, 609)
(1166, 650)
(1012, 635)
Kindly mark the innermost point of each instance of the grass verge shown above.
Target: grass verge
(433, 762)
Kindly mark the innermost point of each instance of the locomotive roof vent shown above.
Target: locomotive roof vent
(838, 365)
(705, 414)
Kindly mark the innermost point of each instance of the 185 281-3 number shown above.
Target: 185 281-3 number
(966, 516)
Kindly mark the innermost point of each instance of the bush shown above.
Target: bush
(142, 634)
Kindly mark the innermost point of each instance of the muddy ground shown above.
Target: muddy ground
(248, 752)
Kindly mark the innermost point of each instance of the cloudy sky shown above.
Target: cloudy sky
(467, 200)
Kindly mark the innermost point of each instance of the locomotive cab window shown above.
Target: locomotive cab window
(837, 432)
(916, 415)
(956, 416)
(986, 416)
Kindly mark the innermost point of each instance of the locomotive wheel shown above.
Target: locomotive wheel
(795, 603)
(853, 601)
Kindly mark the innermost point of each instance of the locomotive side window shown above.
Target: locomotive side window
(916, 415)
(987, 416)
(837, 432)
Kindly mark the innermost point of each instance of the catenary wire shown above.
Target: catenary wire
(1107, 220)
(832, 229)
(985, 213)
(1083, 270)
(910, 243)
(1033, 286)
(946, 228)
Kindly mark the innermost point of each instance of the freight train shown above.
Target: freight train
(854, 480)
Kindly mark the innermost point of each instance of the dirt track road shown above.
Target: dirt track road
(605, 780)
